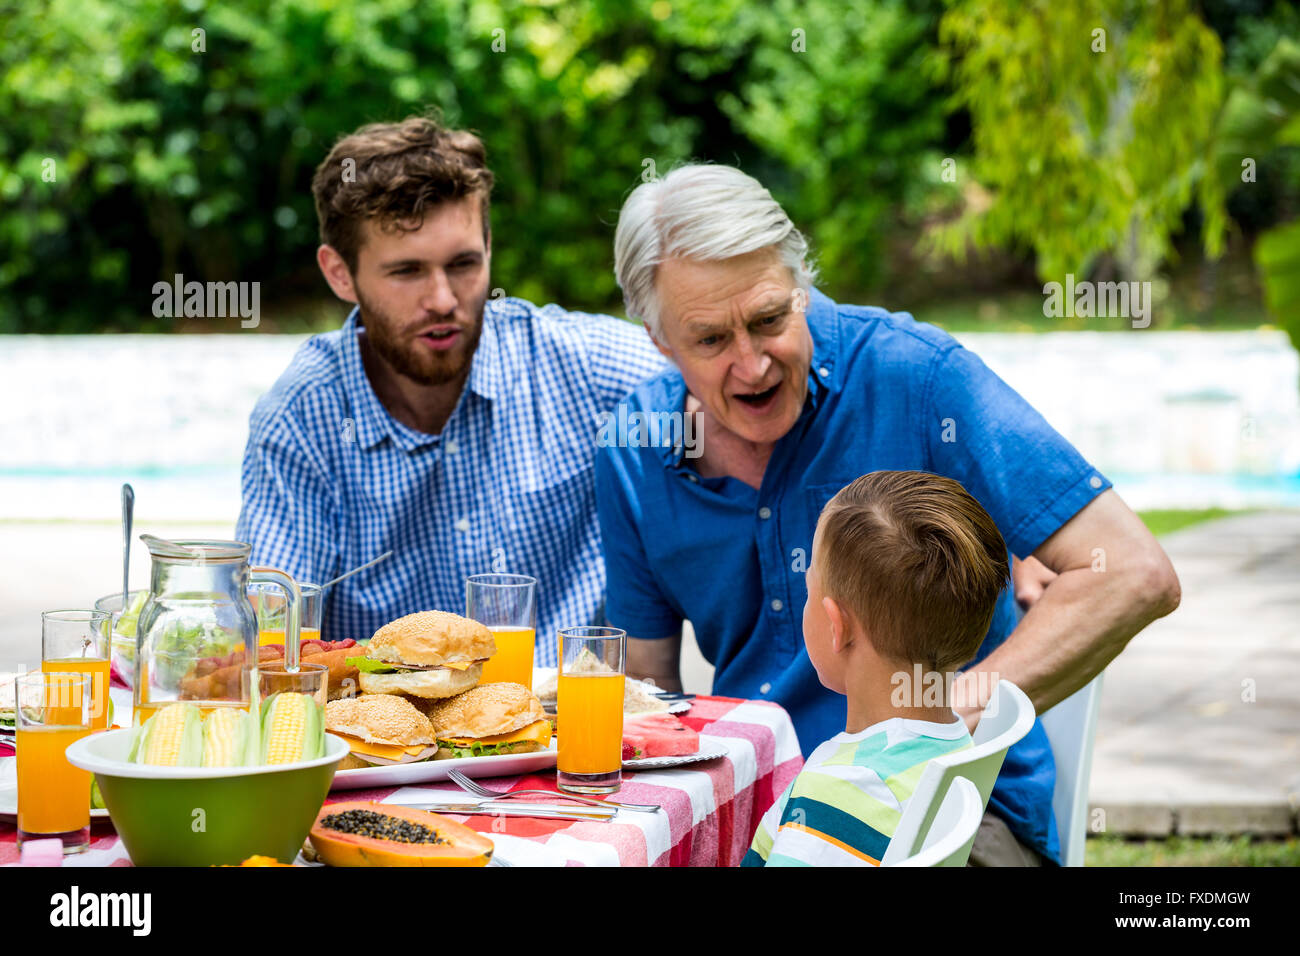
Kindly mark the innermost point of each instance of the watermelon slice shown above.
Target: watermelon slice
(657, 735)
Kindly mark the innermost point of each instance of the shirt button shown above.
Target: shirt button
(823, 371)
(1095, 481)
(693, 478)
(765, 513)
(452, 446)
(765, 689)
(462, 524)
(776, 604)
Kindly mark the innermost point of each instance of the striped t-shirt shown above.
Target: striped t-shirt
(844, 806)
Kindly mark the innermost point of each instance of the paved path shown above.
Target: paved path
(1199, 729)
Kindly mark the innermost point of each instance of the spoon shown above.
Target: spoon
(348, 574)
(128, 514)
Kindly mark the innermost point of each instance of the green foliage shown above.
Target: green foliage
(1083, 151)
(1262, 117)
(175, 152)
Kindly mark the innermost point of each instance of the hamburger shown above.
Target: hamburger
(380, 729)
(491, 719)
(431, 654)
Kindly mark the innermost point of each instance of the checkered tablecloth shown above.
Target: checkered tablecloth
(710, 809)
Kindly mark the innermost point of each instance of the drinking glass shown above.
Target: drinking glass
(589, 707)
(507, 604)
(268, 603)
(52, 710)
(78, 642)
(122, 644)
(312, 679)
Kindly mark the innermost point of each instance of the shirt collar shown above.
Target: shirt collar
(824, 325)
(373, 421)
(485, 368)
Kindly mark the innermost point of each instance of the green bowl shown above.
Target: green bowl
(206, 816)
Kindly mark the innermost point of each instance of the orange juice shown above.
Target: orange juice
(97, 670)
(277, 637)
(53, 795)
(513, 660)
(591, 732)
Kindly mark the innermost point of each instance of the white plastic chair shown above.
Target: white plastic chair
(1071, 728)
(1007, 717)
(953, 832)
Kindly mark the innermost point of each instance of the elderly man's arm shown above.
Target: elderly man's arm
(1113, 580)
(657, 660)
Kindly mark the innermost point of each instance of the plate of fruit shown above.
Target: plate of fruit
(655, 741)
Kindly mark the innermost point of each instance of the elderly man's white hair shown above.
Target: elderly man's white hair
(699, 212)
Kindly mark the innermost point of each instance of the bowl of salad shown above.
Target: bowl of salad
(122, 649)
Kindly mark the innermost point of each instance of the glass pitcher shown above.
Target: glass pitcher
(196, 639)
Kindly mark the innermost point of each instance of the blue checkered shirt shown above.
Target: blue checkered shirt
(331, 480)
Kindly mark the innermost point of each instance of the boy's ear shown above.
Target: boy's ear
(839, 630)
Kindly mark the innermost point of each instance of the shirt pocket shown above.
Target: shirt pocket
(554, 517)
(816, 497)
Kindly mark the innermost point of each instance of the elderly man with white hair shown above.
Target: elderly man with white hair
(796, 396)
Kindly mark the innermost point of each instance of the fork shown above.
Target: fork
(468, 785)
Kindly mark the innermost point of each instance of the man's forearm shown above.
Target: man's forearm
(658, 661)
(1079, 625)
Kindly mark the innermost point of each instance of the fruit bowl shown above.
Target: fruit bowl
(207, 816)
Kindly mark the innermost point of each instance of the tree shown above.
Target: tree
(1091, 122)
(1262, 115)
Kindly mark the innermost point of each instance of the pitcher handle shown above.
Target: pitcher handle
(292, 611)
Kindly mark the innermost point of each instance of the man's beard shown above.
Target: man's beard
(407, 358)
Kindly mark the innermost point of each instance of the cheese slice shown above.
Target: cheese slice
(387, 751)
(459, 665)
(539, 731)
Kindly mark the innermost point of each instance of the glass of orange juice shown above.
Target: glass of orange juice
(268, 603)
(78, 642)
(53, 710)
(507, 604)
(589, 705)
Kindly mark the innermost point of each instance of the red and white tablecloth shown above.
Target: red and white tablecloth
(710, 809)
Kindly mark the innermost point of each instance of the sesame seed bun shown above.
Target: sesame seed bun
(379, 719)
(438, 683)
(431, 638)
(488, 709)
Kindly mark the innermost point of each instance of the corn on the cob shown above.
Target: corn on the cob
(293, 729)
(172, 737)
(229, 738)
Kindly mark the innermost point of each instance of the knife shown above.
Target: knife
(547, 811)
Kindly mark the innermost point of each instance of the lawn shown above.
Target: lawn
(1193, 851)
(1164, 521)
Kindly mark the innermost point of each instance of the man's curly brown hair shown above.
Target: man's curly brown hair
(397, 173)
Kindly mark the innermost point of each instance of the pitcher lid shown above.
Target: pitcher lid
(197, 550)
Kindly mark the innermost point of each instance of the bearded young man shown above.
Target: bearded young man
(456, 431)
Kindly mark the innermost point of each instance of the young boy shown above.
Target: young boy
(906, 569)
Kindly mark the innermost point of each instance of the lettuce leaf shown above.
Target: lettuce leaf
(476, 749)
(369, 665)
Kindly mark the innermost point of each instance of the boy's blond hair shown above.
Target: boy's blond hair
(916, 561)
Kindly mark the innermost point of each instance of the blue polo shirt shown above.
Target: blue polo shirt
(885, 393)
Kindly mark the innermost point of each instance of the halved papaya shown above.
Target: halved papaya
(365, 833)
